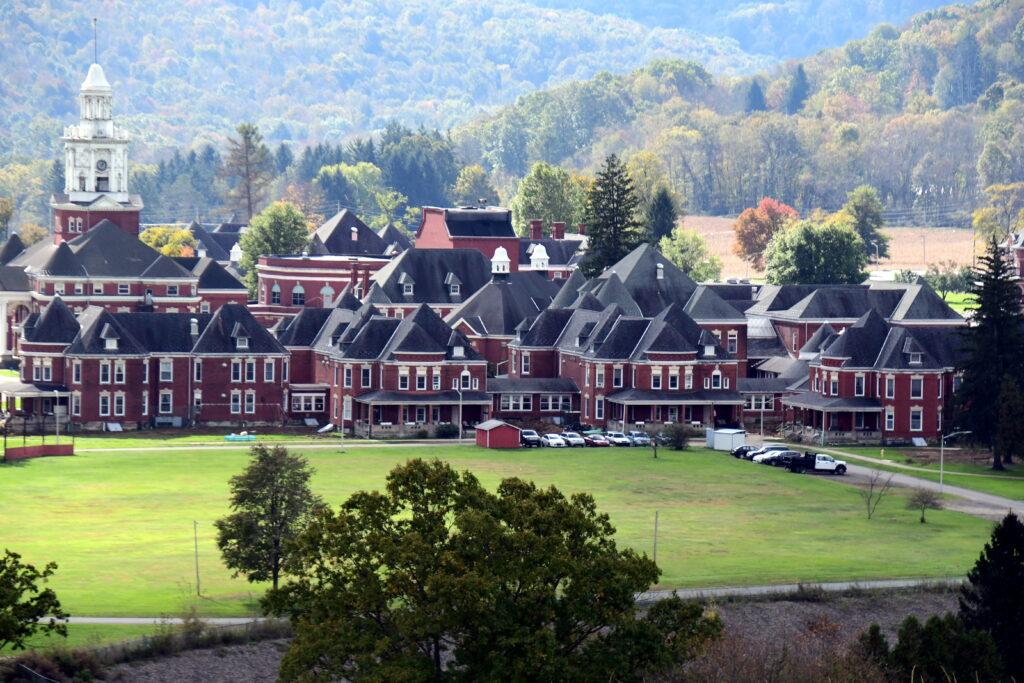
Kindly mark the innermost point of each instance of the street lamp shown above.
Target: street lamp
(942, 453)
(457, 386)
(877, 256)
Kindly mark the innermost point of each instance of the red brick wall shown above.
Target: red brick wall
(126, 220)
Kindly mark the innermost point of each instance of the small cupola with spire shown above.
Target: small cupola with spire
(539, 257)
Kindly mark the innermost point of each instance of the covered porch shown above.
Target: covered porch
(814, 418)
(384, 414)
(638, 409)
(34, 408)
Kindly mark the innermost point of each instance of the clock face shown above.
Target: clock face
(101, 165)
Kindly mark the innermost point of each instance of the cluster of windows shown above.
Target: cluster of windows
(74, 224)
(555, 403)
(250, 402)
(516, 403)
(759, 402)
(308, 403)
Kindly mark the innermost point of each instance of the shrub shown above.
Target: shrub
(446, 431)
(678, 436)
(421, 434)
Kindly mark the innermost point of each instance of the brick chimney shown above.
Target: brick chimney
(558, 230)
(582, 228)
(536, 229)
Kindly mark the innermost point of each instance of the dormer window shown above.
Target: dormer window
(454, 290)
(709, 350)
(915, 359)
(110, 344)
(407, 289)
(458, 351)
(242, 342)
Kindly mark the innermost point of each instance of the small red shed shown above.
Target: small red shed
(497, 434)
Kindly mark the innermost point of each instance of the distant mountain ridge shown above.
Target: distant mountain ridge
(187, 72)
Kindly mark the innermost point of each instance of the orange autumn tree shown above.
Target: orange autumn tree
(755, 228)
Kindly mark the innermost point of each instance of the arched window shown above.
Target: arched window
(275, 294)
(81, 183)
(327, 294)
(298, 296)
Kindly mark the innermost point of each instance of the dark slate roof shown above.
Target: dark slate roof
(940, 348)
(226, 240)
(474, 221)
(706, 304)
(347, 299)
(424, 331)
(703, 396)
(821, 338)
(772, 298)
(893, 301)
(162, 332)
(302, 328)
(55, 325)
(205, 240)
(428, 269)
(498, 385)
(920, 302)
(335, 236)
(230, 227)
(549, 325)
(859, 343)
(13, 279)
(443, 397)
(613, 292)
(370, 338)
(11, 248)
(229, 322)
(393, 236)
(762, 385)
(570, 290)
(211, 274)
(98, 325)
(497, 308)
(815, 401)
(560, 252)
(638, 273)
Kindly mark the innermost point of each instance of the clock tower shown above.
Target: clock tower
(95, 167)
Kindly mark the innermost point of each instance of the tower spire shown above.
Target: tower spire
(95, 48)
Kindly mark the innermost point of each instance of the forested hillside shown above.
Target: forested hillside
(930, 115)
(791, 28)
(188, 72)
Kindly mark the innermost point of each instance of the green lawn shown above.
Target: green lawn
(89, 635)
(172, 438)
(120, 524)
(1009, 483)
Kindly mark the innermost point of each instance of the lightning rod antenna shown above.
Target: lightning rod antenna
(95, 49)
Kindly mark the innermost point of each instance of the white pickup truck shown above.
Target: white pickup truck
(816, 462)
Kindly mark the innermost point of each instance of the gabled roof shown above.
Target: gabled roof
(706, 304)
(97, 325)
(392, 236)
(13, 279)
(821, 338)
(920, 302)
(336, 236)
(859, 343)
(474, 221)
(231, 228)
(370, 338)
(613, 291)
(55, 325)
(428, 268)
(569, 291)
(549, 326)
(347, 299)
(425, 332)
(502, 304)
(638, 271)
(62, 261)
(303, 327)
(161, 332)
(940, 348)
(212, 275)
(227, 324)
(205, 241)
(11, 248)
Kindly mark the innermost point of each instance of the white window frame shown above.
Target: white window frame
(76, 372)
(170, 402)
(119, 404)
(920, 393)
(104, 405)
(656, 380)
(168, 365)
(197, 370)
(76, 403)
(268, 370)
(890, 419)
(120, 372)
(365, 377)
(105, 373)
(250, 370)
(236, 370)
(599, 408)
(236, 402)
(250, 402)
(617, 377)
(919, 413)
(525, 367)
(859, 384)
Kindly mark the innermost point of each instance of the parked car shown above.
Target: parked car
(776, 458)
(740, 451)
(529, 438)
(750, 455)
(816, 462)
(553, 441)
(574, 439)
(597, 440)
(618, 439)
(638, 438)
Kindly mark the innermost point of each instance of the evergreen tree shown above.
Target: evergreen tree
(283, 157)
(755, 98)
(798, 91)
(991, 349)
(662, 215)
(334, 186)
(249, 168)
(55, 178)
(612, 227)
(1010, 430)
(992, 600)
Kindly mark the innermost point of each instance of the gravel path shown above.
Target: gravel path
(252, 663)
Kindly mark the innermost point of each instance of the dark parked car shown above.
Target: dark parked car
(740, 451)
(596, 440)
(529, 438)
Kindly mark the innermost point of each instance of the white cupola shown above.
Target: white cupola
(500, 262)
(539, 257)
(95, 150)
(235, 254)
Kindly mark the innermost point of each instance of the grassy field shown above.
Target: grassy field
(975, 476)
(120, 524)
(176, 438)
(89, 635)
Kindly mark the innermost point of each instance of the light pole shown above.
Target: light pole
(942, 454)
(56, 417)
(877, 256)
(457, 386)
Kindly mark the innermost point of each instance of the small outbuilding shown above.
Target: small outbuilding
(726, 439)
(497, 434)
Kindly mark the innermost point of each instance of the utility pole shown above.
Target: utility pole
(655, 537)
(195, 541)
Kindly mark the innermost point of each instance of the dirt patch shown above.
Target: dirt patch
(254, 663)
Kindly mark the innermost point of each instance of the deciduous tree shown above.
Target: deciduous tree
(756, 226)
(546, 193)
(812, 252)
(688, 250)
(437, 578)
(270, 502)
(169, 240)
(948, 276)
(279, 229)
(612, 225)
(249, 168)
(923, 500)
(864, 209)
(6, 211)
(26, 607)
(30, 233)
(473, 187)
(992, 600)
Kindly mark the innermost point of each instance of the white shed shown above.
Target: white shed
(728, 439)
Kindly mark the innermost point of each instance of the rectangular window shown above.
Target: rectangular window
(716, 381)
(599, 408)
(197, 370)
(166, 402)
(347, 377)
(275, 296)
(250, 370)
(105, 372)
(119, 372)
(835, 386)
(858, 385)
(119, 405)
(250, 402)
(145, 403)
(688, 379)
(284, 370)
(145, 372)
(166, 370)
(76, 371)
(97, 288)
(236, 370)
(47, 371)
(268, 371)
(516, 402)
(915, 419)
(59, 288)
(403, 382)
(364, 378)
(79, 288)
(526, 364)
(197, 400)
(123, 289)
(172, 290)
(733, 343)
(890, 420)
(76, 404)
(599, 376)
(673, 380)
(586, 375)
(104, 405)
(204, 307)
(236, 402)
(421, 380)
(617, 378)
(916, 387)
(890, 387)
(298, 298)
(553, 403)
(656, 379)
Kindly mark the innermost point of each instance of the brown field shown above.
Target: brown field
(910, 248)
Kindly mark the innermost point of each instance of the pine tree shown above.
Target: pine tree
(613, 228)
(249, 167)
(755, 98)
(1010, 429)
(991, 349)
(798, 91)
(992, 600)
(283, 157)
(662, 215)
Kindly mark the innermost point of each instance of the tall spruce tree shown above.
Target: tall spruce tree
(249, 167)
(662, 215)
(798, 91)
(755, 98)
(992, 600)
(612, 225)
(991, 350)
